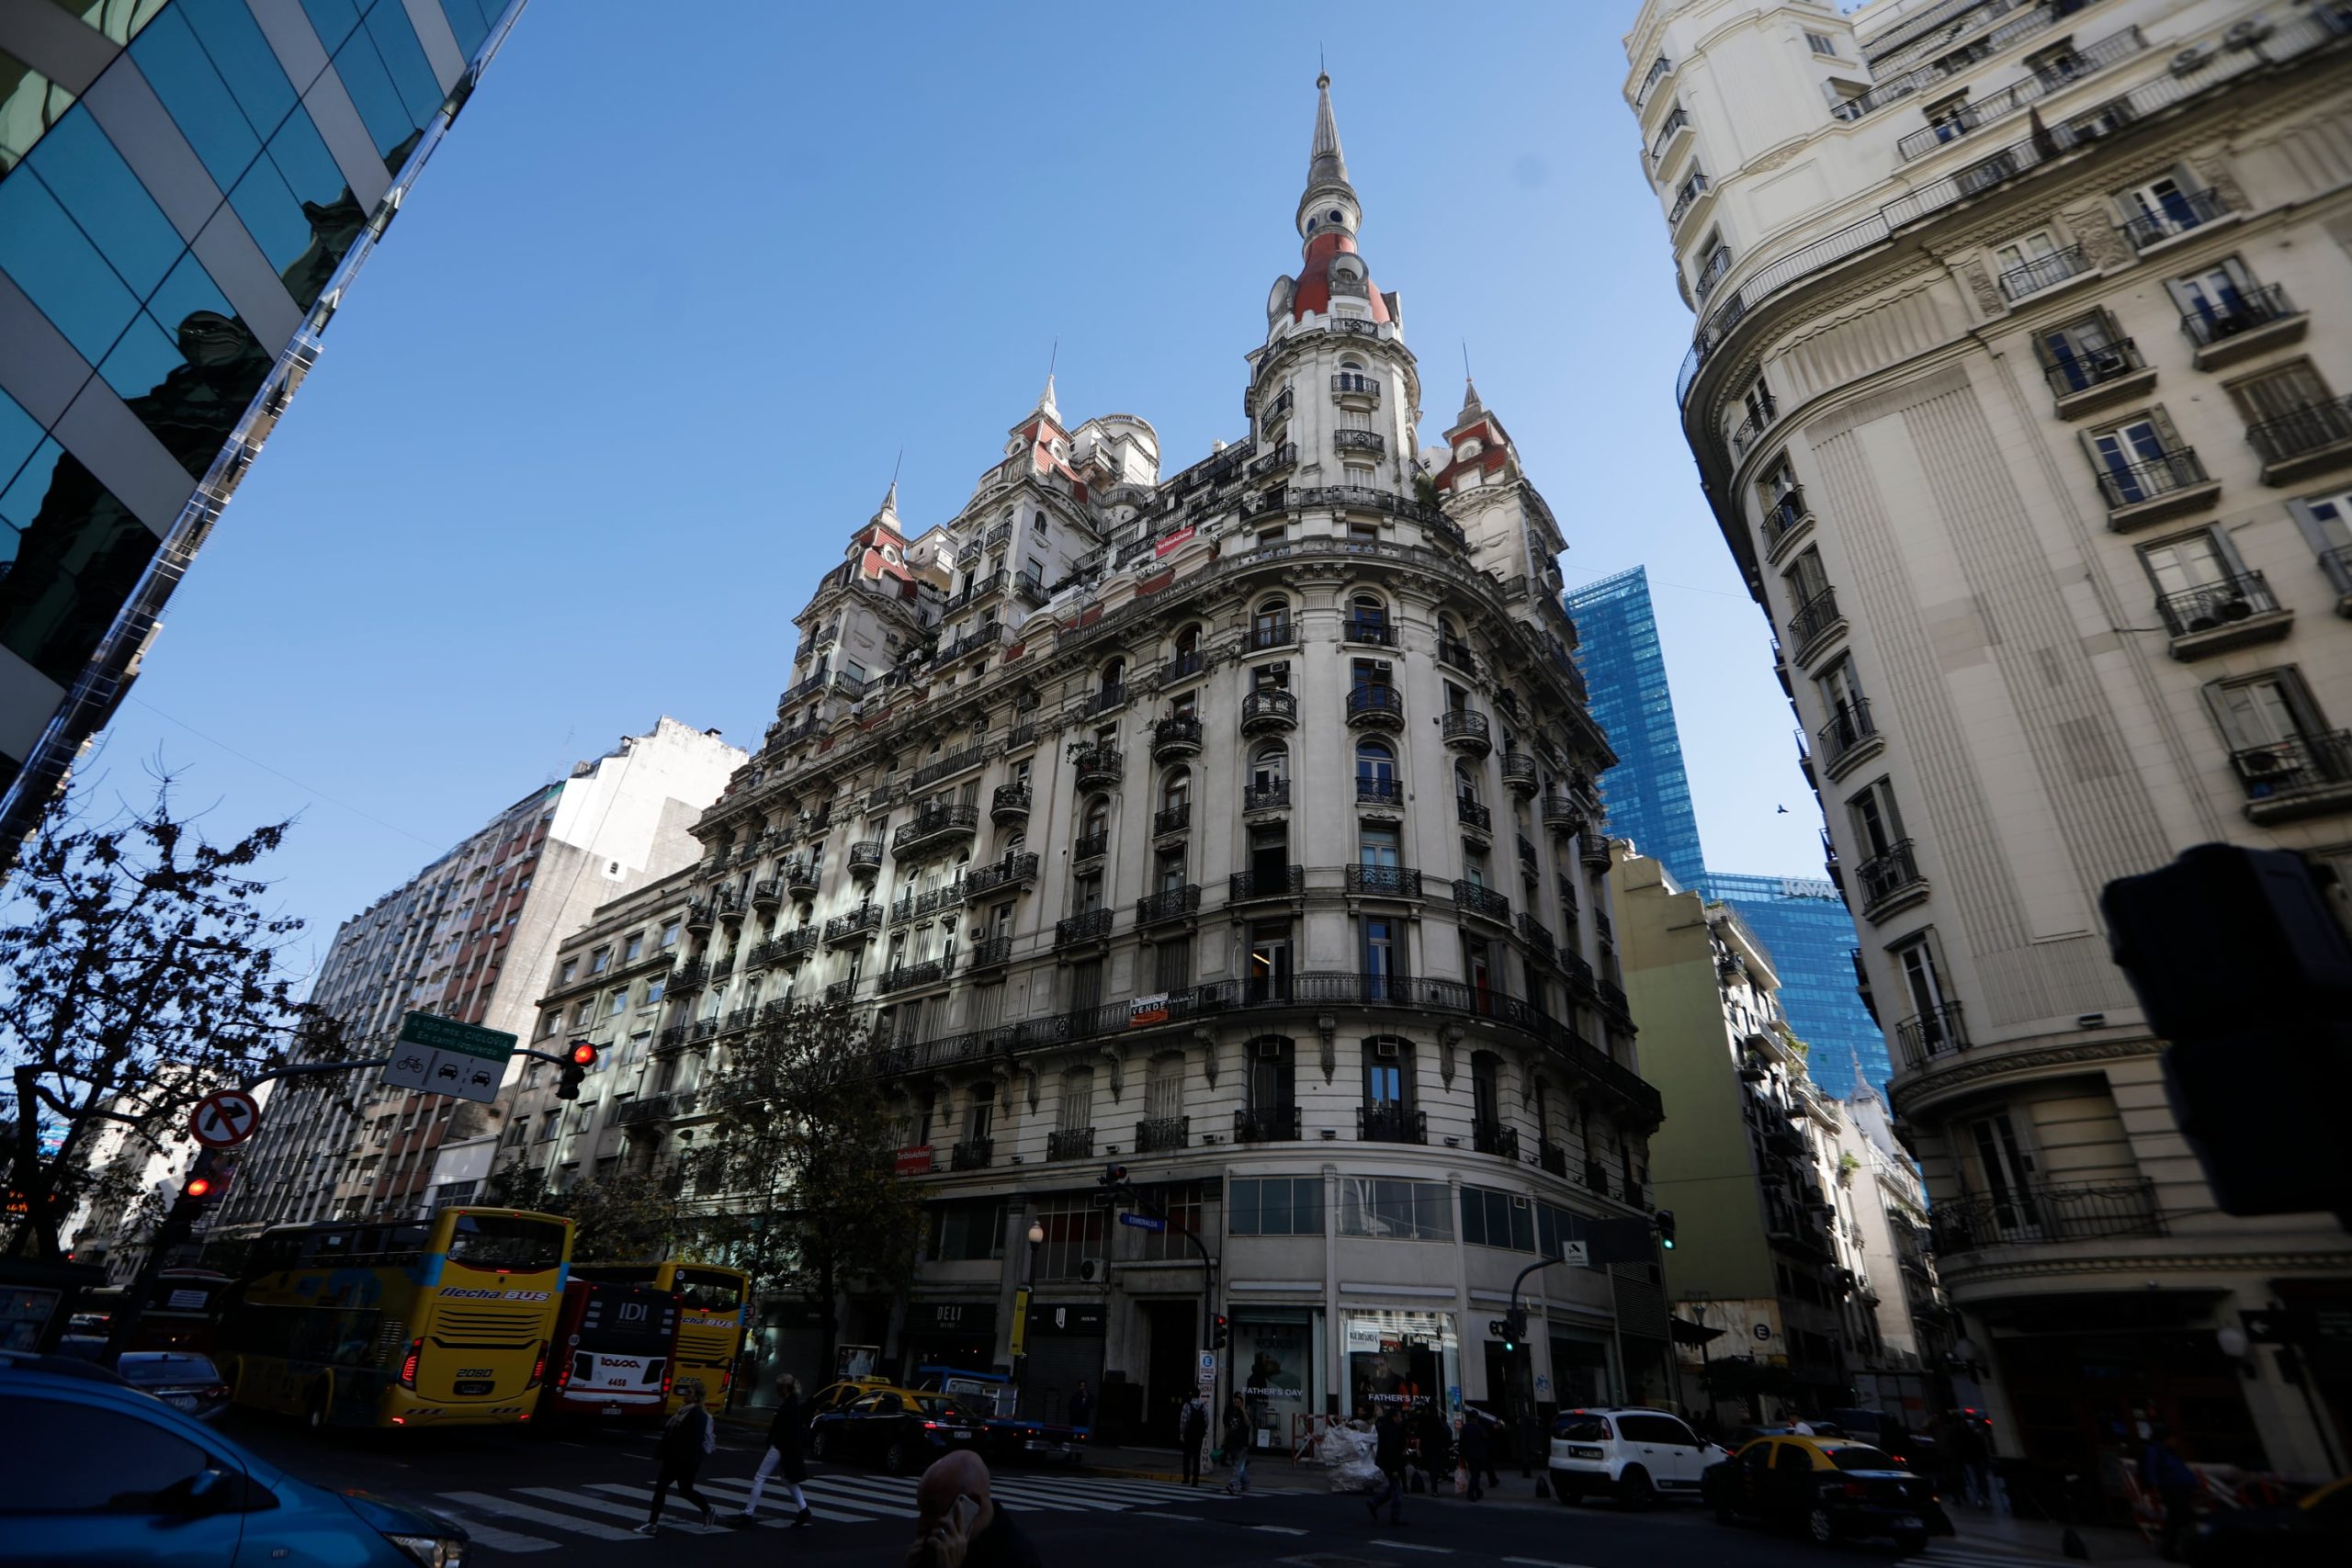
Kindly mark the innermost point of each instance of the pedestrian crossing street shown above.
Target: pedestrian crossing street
(543, 1518)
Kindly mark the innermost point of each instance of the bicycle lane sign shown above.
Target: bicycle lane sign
(442, 1055)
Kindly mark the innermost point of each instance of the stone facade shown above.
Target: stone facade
(2013, 393)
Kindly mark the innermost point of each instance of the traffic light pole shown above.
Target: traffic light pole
(1522, 1393)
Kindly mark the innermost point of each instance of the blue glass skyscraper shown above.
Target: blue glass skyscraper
(1801, 920)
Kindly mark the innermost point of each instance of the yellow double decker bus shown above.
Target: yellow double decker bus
(715, 1302)
(398, 1323)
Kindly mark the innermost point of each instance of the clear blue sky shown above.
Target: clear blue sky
(641, 349)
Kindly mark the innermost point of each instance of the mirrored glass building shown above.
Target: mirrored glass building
(187, 187)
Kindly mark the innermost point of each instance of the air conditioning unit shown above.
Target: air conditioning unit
(1094, 1271)
(2190, 60)
(1266, 1050)
(2234, 609)
(2108, 364)
(2261, 764)
(2245, 34)
(1383, 1050)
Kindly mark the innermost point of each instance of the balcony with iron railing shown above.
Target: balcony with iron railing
(1391, 1122)
(691, 975)
(1281, 457)
(2155, 486)
(934, 829)
(2315, 436)
(797, 943)
(1371, 790)
(1453, 651)
(1940, 1031)
(1686, 196)
(1718, 267)
(1098, 766)
(1848, 735)
(958, 762)
(1171, 820)
(1369, 441)
(2084, 380)
(1090, 846)
(1175, 738)
(1356, 388)
(1274, 797)
(1677, 122)
(1552, 1159)
(1171, 904)
(1016, 868)
(1265, 634)
(1163, 1134)
(911, 976)
(1269, 712)
(1483, 902)
(972, 1154)
(1384, 881)
(1519, 774)
(1374, 629)
(2241, 324)
(1562, 813)
(1274, 881)
(1070, 1143)
(866, 857)
(2046, 1214)
(1813, 621)
(2232, 611)
(1093, 925)
(1466, 730)
(1010, 803)
(732, 903)
(1375, 705)
(1473, 815)
(1267, 1124)
(2302, 775)
(1103, 700)
(1890, 881)
(2043, 271)
(989, 953)
(700, 916)
(981, 639)
(2176, 214)
(1494, 1138)
(1762, 411)
(1537, 936)
(1788, 517)
(841, 991)
(857, 923)
(975, 591)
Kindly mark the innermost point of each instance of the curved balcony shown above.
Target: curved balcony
(1388, 1122)
(1466, 730)
(732, 903)
(866, 858)
(1274, 796)
(1009, 803)
(855, 926)
(1090, 846)
(1269, 712)
(1519, 773)
(990, 952)
(1387, 793)
(1171, 820)
(691, 975)
(1890, 882)
(1377, 706)
(1355, 390)
(1474, 816)
(766, 895)
(1013, 871)
(1174, 740)
(1563, 814)
(1483, 902)
(800, 879)
(1385, 880)
(699, 916)
(1093, 926)
(1172, 905)
(934, 829)
(1592, 849)
(1369, 441)
(1279, 882)
(1267, 1124)
(1099, 767)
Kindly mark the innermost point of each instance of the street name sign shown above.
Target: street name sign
(1143, 1221)
(224, 1117)
(442, 1055)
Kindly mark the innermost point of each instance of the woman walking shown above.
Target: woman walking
(1237, 1446)
(784, 1455)
(689, 1435)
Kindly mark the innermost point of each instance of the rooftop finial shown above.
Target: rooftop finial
(890, 512)
(1325, 160)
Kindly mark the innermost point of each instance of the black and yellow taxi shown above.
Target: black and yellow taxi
(1826, 1489)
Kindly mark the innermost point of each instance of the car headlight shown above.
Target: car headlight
(432, 1551)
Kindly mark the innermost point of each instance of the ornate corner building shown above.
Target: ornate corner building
(2013, 392)
(1238, 827)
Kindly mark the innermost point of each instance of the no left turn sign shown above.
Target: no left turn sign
(228, 1116)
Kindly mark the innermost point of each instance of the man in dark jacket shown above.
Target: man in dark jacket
(1081, 1407)
(1192, 1431)
(783, 1456)
(1388, 1453)
(958, 1526)
(1477, 1448)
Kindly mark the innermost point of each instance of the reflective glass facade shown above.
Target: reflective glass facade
(185, 185)
(1801, 920)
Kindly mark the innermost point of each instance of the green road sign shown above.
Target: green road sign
(448, 1035)
(445, 1056)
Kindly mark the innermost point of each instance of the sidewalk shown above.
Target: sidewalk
(2002, 1532)
(1101, 1459)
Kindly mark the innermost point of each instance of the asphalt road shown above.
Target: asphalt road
(554, 1500)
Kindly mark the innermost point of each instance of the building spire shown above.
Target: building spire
(1326, 163)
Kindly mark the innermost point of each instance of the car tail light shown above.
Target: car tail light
(539, 1367)
(930, 1426)
(1852, 1489)
(408, 1367)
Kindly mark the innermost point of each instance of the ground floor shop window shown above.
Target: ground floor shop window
(1276, 1354)
(1398, 1357)
(1580, 1370)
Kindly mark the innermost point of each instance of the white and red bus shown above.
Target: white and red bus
(616, 1352)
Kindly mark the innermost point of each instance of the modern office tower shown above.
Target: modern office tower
(186, 189)
(1237, 827)
(2012, 387)
(1804, 921)
(470, 937)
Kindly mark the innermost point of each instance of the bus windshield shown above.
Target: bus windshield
(705, 1290)
(506, 1244)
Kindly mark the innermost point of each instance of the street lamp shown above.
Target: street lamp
(1036, 1235)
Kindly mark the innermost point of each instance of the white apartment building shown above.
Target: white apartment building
(1237, 827)
(471, 937)
(2013, 389)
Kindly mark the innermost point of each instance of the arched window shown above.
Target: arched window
(1377, 765)
(1367, 618)
(1271, 1064)
(1188, 641)
(1176, 789)
(1387, 1087)
(1270, 624)
(1270, 765)
(1163, 1100)
(1098, 815)
(1114, 675)
(1076, 1112)
(1465, 783)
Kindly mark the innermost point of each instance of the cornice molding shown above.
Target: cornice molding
(1998, 1062)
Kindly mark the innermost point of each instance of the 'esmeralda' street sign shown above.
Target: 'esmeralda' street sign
(1143, 1221)
(445, 1056)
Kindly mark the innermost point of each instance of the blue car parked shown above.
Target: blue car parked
(99, 1472)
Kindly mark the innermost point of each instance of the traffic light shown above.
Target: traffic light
(2245, 972)
(1219, 1331)
(581, 1057)
(1510, 1328)
(1663, 1219)
(196, 1194)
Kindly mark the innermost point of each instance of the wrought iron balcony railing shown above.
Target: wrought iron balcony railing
(1848, 728)
(2129, 484)
(1266, 1124)
(1281, 882)
(2209, 606)
(1379, 791)
(1390, 1122)
(1812, 618)
(1484, 901)
(2043, 271)
(1173, 904)
(1385, 880)
(1091, 926)
(1070, 1143)
(1886, 876)
(2046, 1214)
(2176, 214)
(1266, 797)
(2312, 428)
(1938, 1031)
(1494, 1138)
(1163, 1134)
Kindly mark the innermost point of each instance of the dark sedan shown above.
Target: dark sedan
(902, 1432)
(1826, 1489)
(183, 1380)
(2317, 1530)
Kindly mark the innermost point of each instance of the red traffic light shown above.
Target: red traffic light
(197, 1187)
(583, 1053)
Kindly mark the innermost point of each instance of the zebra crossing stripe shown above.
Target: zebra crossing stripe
(898, 1495)
(478, 1533)
(574, 1500)
(483, 1502)
(739, 1491)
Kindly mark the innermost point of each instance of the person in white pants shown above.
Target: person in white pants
(784, 1455)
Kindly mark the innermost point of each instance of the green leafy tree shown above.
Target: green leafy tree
(625, 1218)
(138, 973)
(797, 1172)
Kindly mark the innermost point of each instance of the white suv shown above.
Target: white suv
(1635, 1456)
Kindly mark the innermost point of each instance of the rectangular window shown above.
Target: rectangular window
(1076, 1231)
(635, 949)
(1498, 1219)
(2192, 562)
(1392, 1209)
(1275, 1205)
(1173, 965)
(2288, 392)
(563, 975)
(616, 1003)
(670, 934)
(968, 1232)
(1821, 44)
(600, 961)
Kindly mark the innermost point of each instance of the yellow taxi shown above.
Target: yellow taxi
(1827, 1489)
